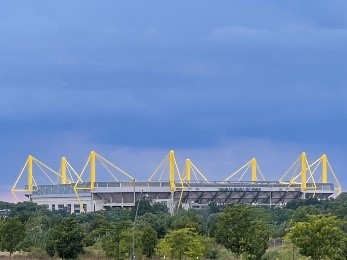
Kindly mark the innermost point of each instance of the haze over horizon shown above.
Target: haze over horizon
(219, 83)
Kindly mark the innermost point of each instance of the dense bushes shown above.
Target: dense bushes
(243, 230)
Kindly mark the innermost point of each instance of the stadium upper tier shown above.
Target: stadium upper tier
(191, 189)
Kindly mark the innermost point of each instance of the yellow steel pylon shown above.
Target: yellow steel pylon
(254, 170)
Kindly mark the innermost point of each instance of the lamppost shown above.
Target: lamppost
(137, 211)
(294, 249)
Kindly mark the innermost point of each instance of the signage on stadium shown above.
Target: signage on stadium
(239, 189)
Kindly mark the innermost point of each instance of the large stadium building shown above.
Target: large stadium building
(191, 189)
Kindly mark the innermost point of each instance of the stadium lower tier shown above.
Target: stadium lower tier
(81, 198)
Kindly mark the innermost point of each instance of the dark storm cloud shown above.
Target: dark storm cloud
(191, 74)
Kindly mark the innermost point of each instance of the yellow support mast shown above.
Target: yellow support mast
(63, 170)
(30, 174)
(172, 170)
(29, 168)
(187, 170)
(254, 170)
(92, 170)
(303, 172)
(324, 169)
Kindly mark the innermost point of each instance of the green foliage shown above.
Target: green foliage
(261, 213)
(37, 227)
(117, 214)
(37, 253)
(159, 208)
(149, 241)
(111, 242)
(95, 251)
(213, 208)
(286, 252)
(6, 205)
(301, 213)
(321, 236)
(294, 204)
(211, 224)
(24, 210)
(159, 222)
(240, 234)
(51, 246)
(211, 248)
(187, 219)
(12, 232)
(241, 229)
(258, 240)
(279, 221)
(65, 239)
(336, 206)
(181, 243)
(126, 243)
(280, 215)
(144, 206)
(93, 227)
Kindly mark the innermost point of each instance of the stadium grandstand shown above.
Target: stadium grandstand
(79, 192)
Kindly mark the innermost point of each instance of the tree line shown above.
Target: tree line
(316, 229)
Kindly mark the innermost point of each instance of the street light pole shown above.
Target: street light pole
(137, 210)
(293, 251)
(134, 191)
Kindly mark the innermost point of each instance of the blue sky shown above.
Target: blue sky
(220, 82)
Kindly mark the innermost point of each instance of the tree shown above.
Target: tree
(337, 206)
(321, 236)
(65, 239)
(159, 208)
(301, 213)
(159, 222)
(180, 243)
(149, 241)
(213, 208)
(210, 224)
(258, 240)
(12, 233)
(111, 242)
(126, 243)
(93, 227)
(24, 210)
(116, 214)
(37, 228)
(144, 206)
(187, 219)
(240, 234)
(294, 204)
(211, 250)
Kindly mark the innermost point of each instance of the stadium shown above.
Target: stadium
(83, 192)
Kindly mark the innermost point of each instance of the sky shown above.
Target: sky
(220, 82)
